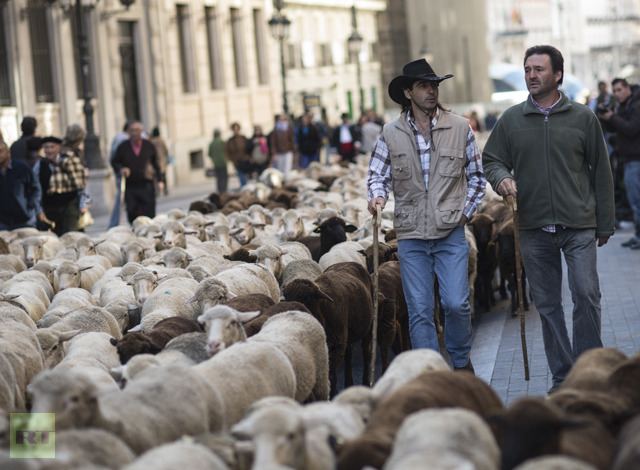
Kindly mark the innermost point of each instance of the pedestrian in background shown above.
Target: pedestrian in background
(258, 151)
(370, 132)
(73, 143)
(283, 144)
(345, 139)
(236, 152)
(62, 177)
(219, 160)
(550, 154)
(625, 122)
(19, 192)
(120, 137)
(19, 149)
(309, 141)
(429, 158)
(163, 155)
(136, 160)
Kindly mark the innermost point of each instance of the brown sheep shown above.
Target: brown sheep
(341, 300)
(153, 342)
(484, 230)
(433, 389)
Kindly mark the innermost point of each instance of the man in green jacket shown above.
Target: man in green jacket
(219, 160)
(549, 152)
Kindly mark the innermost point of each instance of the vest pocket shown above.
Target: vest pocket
(451, 162)
(449, 213)
(404, 216)
(400, 167)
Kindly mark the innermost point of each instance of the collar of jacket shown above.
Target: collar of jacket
(529, 108)
(444, 122)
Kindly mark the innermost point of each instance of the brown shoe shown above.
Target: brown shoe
(468, 368)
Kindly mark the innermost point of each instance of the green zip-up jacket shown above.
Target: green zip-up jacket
(560, 165)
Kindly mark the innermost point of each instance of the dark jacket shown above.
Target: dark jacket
(626, 124)
(19, 193)
(560, 165)
(143, 167)
(309, 139)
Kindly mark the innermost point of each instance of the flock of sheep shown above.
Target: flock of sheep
(212, 338)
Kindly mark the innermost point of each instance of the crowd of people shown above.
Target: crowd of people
(291, 144)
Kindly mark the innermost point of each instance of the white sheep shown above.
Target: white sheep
(246, 372)
(299, 335)
(21, 360)
(250, 279)
(37, 248)
(277, 257)
(84, 273)
(301, 269)
(182, 403)
(179, 454)
(437, 433)
(30, 294)
(405, 367)
(12, 311)
(343, 252)
(169, 299)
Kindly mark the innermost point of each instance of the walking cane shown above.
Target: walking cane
(374, 340)
(514, 207)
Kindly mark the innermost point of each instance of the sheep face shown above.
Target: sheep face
(173, 234)
(143, 286)
(74, 405)
(132, 253)
(69, 275)
(224, 327)
(85, 247)
(292, 226)
(33, 248)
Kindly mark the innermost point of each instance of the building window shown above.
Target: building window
(238, 47)
(292, 56)
(186, 49)
(196, 160)
(324, 54)
(5, 79)
(213, 46)
(261, 50)
(76, 52)
(40, 52)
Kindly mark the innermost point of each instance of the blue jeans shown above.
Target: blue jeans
(242, 177)
(632, 187)
(541, 253)
(115, 213)
(306, 159)
(447, 258)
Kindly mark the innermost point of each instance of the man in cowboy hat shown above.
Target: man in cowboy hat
(430, 159)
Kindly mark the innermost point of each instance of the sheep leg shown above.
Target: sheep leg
(348, 366)
(336, 354)
(366, 358)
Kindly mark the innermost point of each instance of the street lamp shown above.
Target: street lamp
(92, 155)
(279, 25)
(354, 43)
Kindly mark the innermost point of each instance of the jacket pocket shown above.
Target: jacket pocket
(400, 166)
(449, 213)
(404, 214)
(451, 162)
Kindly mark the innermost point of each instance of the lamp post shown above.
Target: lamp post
(92, 155)
(354, 43)
(279, 25)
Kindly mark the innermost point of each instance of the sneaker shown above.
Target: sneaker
(468, 368)
(635, 246)
(629, 243)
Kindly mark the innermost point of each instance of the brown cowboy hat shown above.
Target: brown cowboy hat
(412, 72)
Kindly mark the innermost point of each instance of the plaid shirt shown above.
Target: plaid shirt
(379, 178)
(67, 175)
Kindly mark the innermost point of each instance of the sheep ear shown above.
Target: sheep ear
(231, 295)
(191, 231)
(259, 224)
(191, 300)
(67, 335)
(350, 228)
(117, 372)
(157, 235)
(284, 251)
(322, 296)
(244, 317)
(84, 269)
(235, 231)
(317, 230)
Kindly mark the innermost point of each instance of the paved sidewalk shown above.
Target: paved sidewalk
(497, 350)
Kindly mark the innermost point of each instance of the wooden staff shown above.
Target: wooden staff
(514, 207)
(377, 219)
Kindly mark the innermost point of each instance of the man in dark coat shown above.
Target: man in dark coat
(19, 192)
(137, 161)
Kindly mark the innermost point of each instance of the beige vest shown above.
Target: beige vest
(432, 214)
